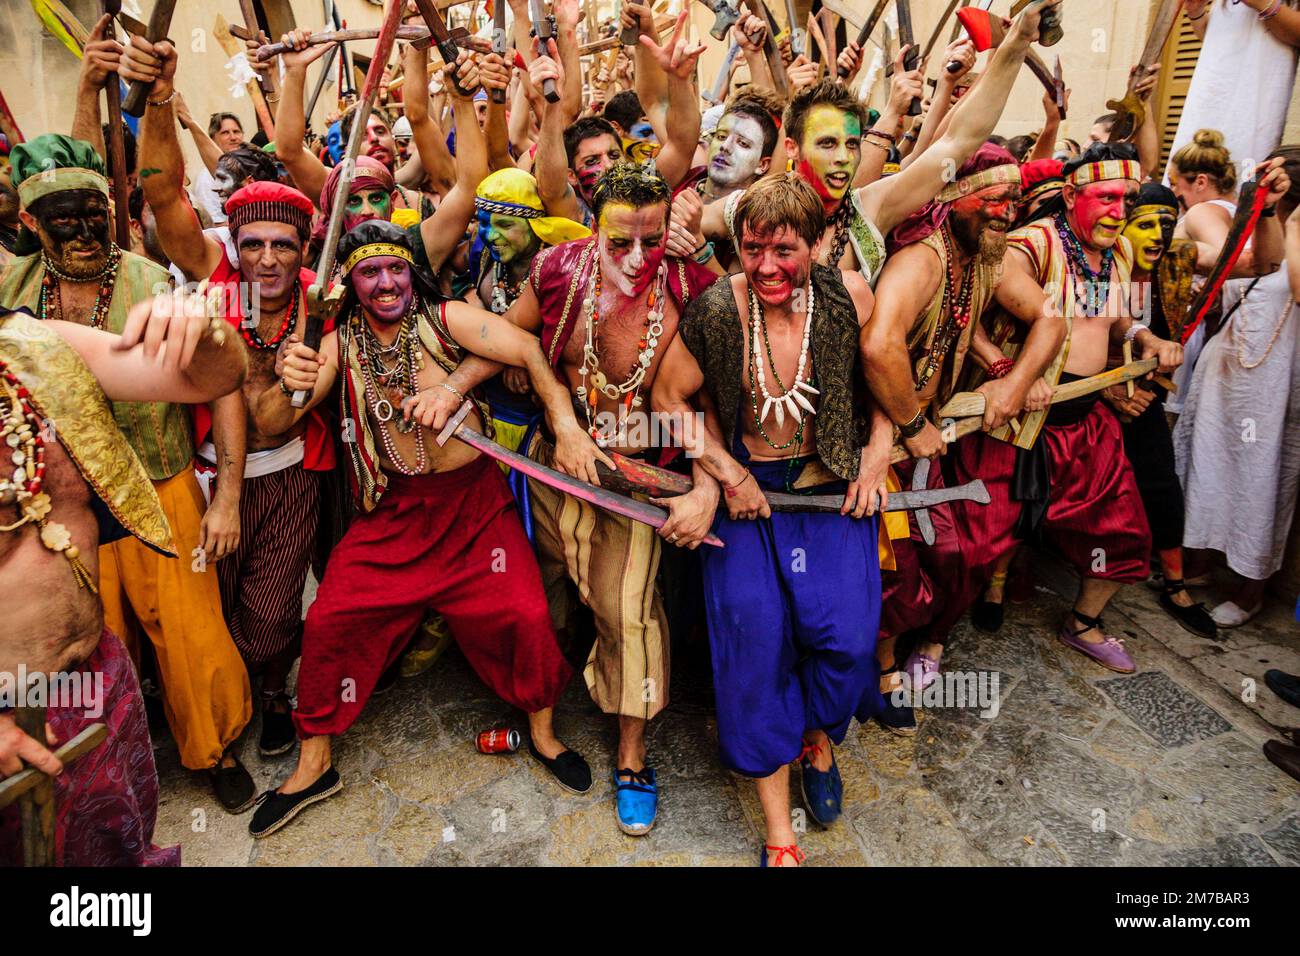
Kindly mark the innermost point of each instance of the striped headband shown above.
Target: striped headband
(372, 249)
(1003, 175)
(500, 208)
(1107, 169)
(1154, 209)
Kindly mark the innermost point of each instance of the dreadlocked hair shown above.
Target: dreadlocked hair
(778, 201)
(824, 93)
(630, 184)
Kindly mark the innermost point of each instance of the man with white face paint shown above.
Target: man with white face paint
(739, 152)
(606, 309)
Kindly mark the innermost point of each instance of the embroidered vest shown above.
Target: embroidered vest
(715, 335)
(921, 337)
(66, 392)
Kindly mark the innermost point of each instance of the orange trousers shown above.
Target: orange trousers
(176, 602)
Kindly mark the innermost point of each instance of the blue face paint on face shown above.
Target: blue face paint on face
(484, 227)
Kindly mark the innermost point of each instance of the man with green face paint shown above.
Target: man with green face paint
(825, 129)
(512, 228)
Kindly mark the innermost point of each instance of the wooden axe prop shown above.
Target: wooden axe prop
(160, 22)
(987, 31)
(1130, 109)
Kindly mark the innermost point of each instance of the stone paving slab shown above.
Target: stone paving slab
(1077, 767)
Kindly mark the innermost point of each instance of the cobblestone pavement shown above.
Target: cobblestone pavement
(1079, 766)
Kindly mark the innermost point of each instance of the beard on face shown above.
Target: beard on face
(63, 252)
(992, 247)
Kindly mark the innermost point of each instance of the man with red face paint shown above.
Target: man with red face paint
(277, 473)
(825, 128)
(436, 529)
(606, 308)
(793, 600)
(1064, 476)
(944, 269)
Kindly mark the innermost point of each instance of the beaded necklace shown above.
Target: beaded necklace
(503, 293)
(21, 432)
(628, 394)
(51, 303)
(1096, 285)
(248, 328)
(839, 221)
(398, 378)
(958, 291)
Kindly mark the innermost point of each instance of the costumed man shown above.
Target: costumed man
(512, 229)
(436, 528)
(71, 483)
(571, 160)
(944, 269)
(1163, 268)
(1063, 476)
(1041, 183)
(824, 133)
(793, 600)
(76, 273)
(739, 152)
(606, 308)
(277, 474)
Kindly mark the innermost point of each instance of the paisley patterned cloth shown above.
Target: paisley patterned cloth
(107, 800)
(66, 392)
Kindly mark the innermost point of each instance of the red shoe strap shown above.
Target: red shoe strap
(780, 851)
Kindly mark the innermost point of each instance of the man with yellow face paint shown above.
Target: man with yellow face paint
(1147, 440)
(825, 129)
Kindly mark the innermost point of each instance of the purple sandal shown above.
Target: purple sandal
(921, 670)
(1109, 653)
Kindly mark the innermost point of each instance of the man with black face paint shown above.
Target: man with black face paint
(435, 528)
(78, 274)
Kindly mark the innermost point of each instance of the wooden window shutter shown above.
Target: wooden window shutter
(1180, 56)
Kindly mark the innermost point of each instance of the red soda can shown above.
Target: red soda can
(499, 740)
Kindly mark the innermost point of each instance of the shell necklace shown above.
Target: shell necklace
(628, 394)
(790, 400)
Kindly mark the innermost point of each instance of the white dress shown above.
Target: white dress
(1237, 443)
(1241, 86)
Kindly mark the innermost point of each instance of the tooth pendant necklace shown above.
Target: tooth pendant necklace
(791, 401)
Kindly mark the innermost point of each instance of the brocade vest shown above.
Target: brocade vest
(713, 331)
(66, 393)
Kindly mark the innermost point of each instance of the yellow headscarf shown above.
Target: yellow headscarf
(513, 192)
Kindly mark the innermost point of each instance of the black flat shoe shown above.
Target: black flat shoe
(568, 768)
(896, 719)
(987, 616)
(1195, 619)
(1286, 686)
(232, 786)
(278, 734)
(275, 809)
